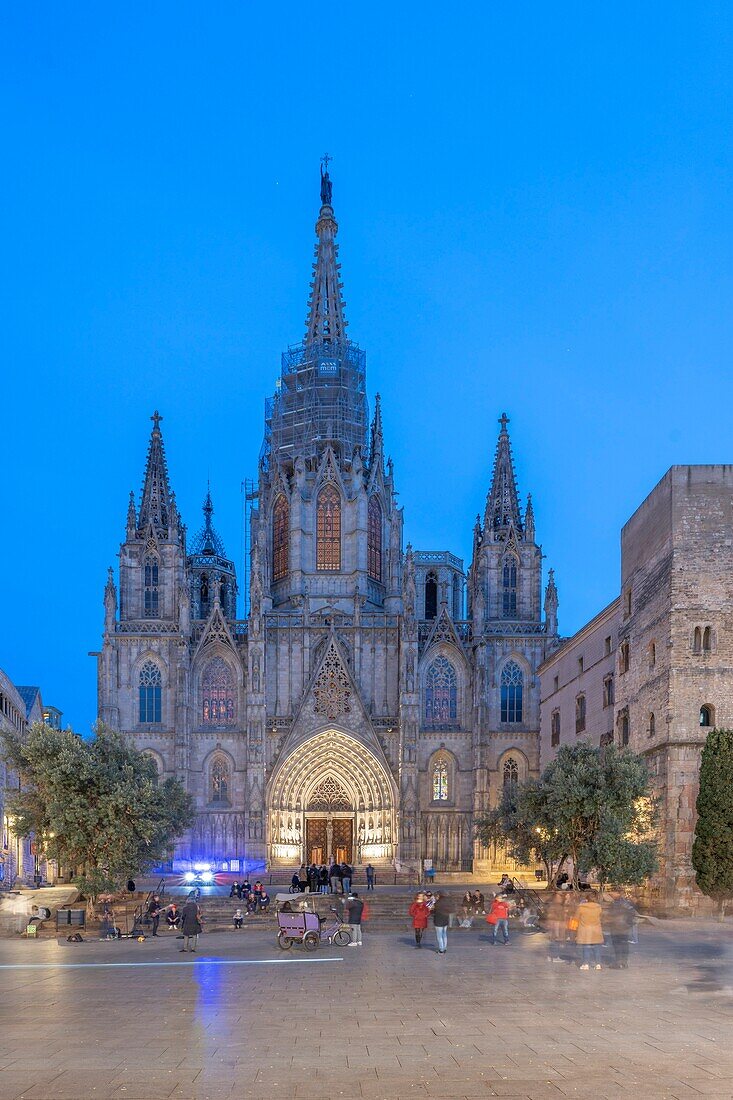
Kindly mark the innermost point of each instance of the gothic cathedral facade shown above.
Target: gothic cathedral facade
(376, 699)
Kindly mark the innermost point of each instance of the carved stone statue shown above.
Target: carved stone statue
(326, 187)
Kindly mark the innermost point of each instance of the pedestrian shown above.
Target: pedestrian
(498, 918)
(313, 878)
(346, 874)
(190, 925)
(354, 914)
(154, 911)
(303, 878)
(238, 918)
(557, 924)
(619, 919)
(323, 878)
(334, 878)
(419, 913)
(589, 933)
(441, 920)
(369, 876)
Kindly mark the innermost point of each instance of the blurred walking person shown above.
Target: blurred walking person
(620, 918)
(557, 924)
(589, 934)
(441, 920)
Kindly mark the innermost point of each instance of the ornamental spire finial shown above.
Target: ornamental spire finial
(326, 321)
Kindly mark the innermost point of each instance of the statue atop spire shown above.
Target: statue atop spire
(326, 185)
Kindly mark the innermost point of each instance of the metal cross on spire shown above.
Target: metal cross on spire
(325, 160)
(156, 419)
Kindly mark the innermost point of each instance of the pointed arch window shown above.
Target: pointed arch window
(151, 589)
(328, 530)
(512, 689)
(510, 777)
(374, 539)
(441, 779)
(509, 587)
(218, 694)
(441, 695)
(204, 606)
(431, 595)
(280, 538)
(150, 687)
(220, 781)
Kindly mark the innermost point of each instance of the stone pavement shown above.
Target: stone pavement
(382, 1022)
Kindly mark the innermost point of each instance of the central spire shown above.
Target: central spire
(155, 504)
(502, 504)
(326, 321)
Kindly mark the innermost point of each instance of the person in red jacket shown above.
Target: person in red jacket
(419, 912)
(498, 918)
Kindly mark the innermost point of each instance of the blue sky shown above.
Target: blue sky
(535, 215)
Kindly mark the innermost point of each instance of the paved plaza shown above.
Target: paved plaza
(242, 1019)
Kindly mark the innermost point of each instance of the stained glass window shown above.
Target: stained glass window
(509, 587)
(440, 780)
(219, 781)
(150, 568)
(280, 538)
(149, 692)
(441, 694)
(328, 530)
(218, 694)
(374, 539)
(512, 686)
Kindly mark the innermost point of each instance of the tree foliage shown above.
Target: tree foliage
(591, 805)
(94, 806)
(712, 851)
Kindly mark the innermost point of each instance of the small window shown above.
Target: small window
(431, 596)
(707, 640)
(652, 726)
(623, 728)
(707, 716)
(580, 714)
(652, 654)
(555, 728)
(623, 657)
(627, 603)
(697, 640)
(580, 664)
(608, 695)
(607, 645)
(151, 591)
(509, 587)
(556, 683)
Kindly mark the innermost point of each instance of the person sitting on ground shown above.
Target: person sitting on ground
(235, 891)
(238, 918)
(244, 889)
(479, 905)
(506, 885)
(172, 916)
(263, 901)
(465, 912)
(562, 880)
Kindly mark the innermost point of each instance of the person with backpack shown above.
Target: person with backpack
(346, 874)
(334, 875)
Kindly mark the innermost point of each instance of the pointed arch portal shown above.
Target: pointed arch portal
(331, 798)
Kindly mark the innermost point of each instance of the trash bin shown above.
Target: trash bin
(70, 918)
(539, 874)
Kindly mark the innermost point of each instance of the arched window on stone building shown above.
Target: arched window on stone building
(707, 640)
(150, 686)
(218, 694)
(280, 538)
(374, 539)
(512, 689)
(431, 595)
(697, 640)
(652, 727)
(707, 715)
(204, 606)
(441, 778)
(328, 530)
(510, 777)
(151, 570)
(441, 695)
(509, 587)
(219, 781)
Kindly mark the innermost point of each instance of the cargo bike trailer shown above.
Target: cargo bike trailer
(299, 922)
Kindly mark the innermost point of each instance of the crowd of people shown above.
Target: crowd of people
(578, 925)
(256, 898)
(335, 878)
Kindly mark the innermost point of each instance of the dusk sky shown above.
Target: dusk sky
(536, 215)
